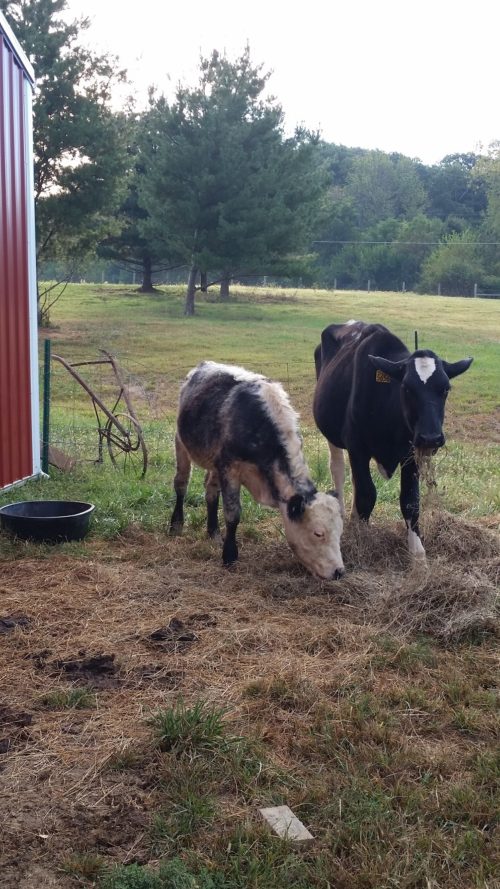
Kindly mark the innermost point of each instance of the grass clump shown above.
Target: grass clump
(182, 821)
(486, 769)
(286, 691)
(131, 876)
(405, 657)
(186, 729)
(68, 699)
(83, 865)
(124, 760)
(245, 859)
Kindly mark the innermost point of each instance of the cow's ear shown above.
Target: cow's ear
(459, 367)
(295, 507)
(394, 369)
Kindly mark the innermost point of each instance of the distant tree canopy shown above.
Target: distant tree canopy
(394, 222)
(383, 186)
(211, 182)
(488, 178)
(225, 191)
(79, 143)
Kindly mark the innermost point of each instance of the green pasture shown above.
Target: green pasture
(269, 330)
(275, 330)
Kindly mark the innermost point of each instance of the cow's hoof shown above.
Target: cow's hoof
(229, 552)
(418, 563)
(175, 530)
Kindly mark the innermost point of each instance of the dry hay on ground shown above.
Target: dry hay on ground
(92, 621)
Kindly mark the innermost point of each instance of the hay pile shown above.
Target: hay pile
(455, 593)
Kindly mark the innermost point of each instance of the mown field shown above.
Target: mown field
(153, 701)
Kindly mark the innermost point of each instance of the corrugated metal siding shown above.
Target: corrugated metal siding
(16, 443)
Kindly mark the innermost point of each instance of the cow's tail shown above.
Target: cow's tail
(317, 360)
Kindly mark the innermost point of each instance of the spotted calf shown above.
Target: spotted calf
(241, 428)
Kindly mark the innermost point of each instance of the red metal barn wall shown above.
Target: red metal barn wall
(19, 434)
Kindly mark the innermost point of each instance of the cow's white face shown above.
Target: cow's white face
(313, 530)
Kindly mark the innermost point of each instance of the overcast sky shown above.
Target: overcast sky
(420, 77)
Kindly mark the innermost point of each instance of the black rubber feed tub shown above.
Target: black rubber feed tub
(50, 521)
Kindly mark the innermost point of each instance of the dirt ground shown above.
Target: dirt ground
(145, 618)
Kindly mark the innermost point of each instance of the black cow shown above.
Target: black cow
(377, 400)
(242, 429)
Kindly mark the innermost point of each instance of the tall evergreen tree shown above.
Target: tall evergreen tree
(224, 188)
(126, 244)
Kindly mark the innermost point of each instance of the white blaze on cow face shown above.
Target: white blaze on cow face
(315, 536)
(425, 367)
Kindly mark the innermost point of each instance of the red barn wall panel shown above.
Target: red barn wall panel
(16, 438)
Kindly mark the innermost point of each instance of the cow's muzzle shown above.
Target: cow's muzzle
(429, 444)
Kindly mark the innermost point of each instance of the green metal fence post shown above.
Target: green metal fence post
(46, 406)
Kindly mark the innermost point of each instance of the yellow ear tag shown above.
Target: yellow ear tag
(382, 377)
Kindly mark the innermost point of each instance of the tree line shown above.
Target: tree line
(210, 182)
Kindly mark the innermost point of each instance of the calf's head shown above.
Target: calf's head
(425, 383)
(313, 527)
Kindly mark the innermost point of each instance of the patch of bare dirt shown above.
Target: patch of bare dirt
(145, 618)
(479, 427)
(96, 671)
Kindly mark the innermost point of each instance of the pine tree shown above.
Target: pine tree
(224, 187)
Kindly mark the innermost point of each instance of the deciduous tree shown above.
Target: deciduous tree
(384, 186)
(78, 140)
(454, 265)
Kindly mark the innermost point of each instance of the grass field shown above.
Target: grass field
(275, 332)
(152, 701)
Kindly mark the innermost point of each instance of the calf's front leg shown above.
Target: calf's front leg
(230, 489)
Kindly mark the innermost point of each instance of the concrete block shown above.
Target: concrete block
(282, 820)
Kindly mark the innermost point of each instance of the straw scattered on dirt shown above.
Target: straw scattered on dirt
(142, 619)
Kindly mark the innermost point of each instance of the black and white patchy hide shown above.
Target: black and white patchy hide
(376, 400)
(241, 428)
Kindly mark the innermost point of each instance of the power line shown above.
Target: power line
(419, 243)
